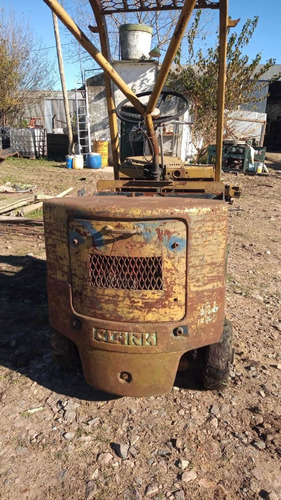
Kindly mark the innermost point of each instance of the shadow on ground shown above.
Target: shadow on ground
(24, 327)
(274, 166)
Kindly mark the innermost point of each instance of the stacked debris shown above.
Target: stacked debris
(20, 201)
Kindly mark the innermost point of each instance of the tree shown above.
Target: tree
(24, 68)
(198, 79)
(163, 23)
(9, 82)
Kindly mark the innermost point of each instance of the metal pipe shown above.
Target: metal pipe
(161, 146)
(176, 39)
(221, 86)
(94, 52)
(113, 126)
(155, 173)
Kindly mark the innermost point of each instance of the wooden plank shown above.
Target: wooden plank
(63, 193)
(39, 204)
(24, 202)
(32, 207)
(5, 153)
(41, 196)
(20, 202)
(8, 219)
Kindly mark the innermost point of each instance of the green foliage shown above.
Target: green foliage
(198, 78)
(9, 79)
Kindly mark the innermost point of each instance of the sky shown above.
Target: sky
(266, 39)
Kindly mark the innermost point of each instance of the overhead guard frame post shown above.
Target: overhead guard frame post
(112, 117)
(221, 86)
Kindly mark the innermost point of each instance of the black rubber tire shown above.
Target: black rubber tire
(217, 360)
(65, 353)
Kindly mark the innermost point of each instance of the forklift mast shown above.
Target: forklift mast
(103, 8)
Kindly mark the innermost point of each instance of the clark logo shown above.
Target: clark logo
(125, 338)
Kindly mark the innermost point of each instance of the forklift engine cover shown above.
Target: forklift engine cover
(135, 282)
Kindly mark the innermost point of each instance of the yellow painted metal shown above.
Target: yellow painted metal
(232, 191)
(204, 226)
(154, 141)
(136, 171)
(211, 187)
(221, 85)
(95, 53)
(191, 172)
(111, 74)
(173, 161)
(131, 172)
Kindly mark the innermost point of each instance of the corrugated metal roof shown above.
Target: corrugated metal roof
(268, 75)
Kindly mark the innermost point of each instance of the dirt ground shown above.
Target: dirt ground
(61, 439)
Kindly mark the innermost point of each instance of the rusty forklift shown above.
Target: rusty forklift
(136, 273)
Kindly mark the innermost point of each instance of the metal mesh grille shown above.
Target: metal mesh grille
(112, 6)
(126, 273)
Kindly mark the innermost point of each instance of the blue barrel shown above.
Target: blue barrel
(93, 160)
(69, 161)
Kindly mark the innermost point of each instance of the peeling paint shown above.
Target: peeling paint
(193, 291)
(208, 312)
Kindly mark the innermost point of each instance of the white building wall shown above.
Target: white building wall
(246, 125)
(140, 76)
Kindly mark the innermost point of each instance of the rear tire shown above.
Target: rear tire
(218, 358)
(64, 351)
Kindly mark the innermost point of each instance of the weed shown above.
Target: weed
(36, 214)
(15, 381)
(230, 278)
(25, 414)
(239, 234)
(80, 432)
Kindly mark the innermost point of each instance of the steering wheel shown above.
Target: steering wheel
(170, 104)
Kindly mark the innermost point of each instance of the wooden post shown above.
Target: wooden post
(95, 53)
(63, 84)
